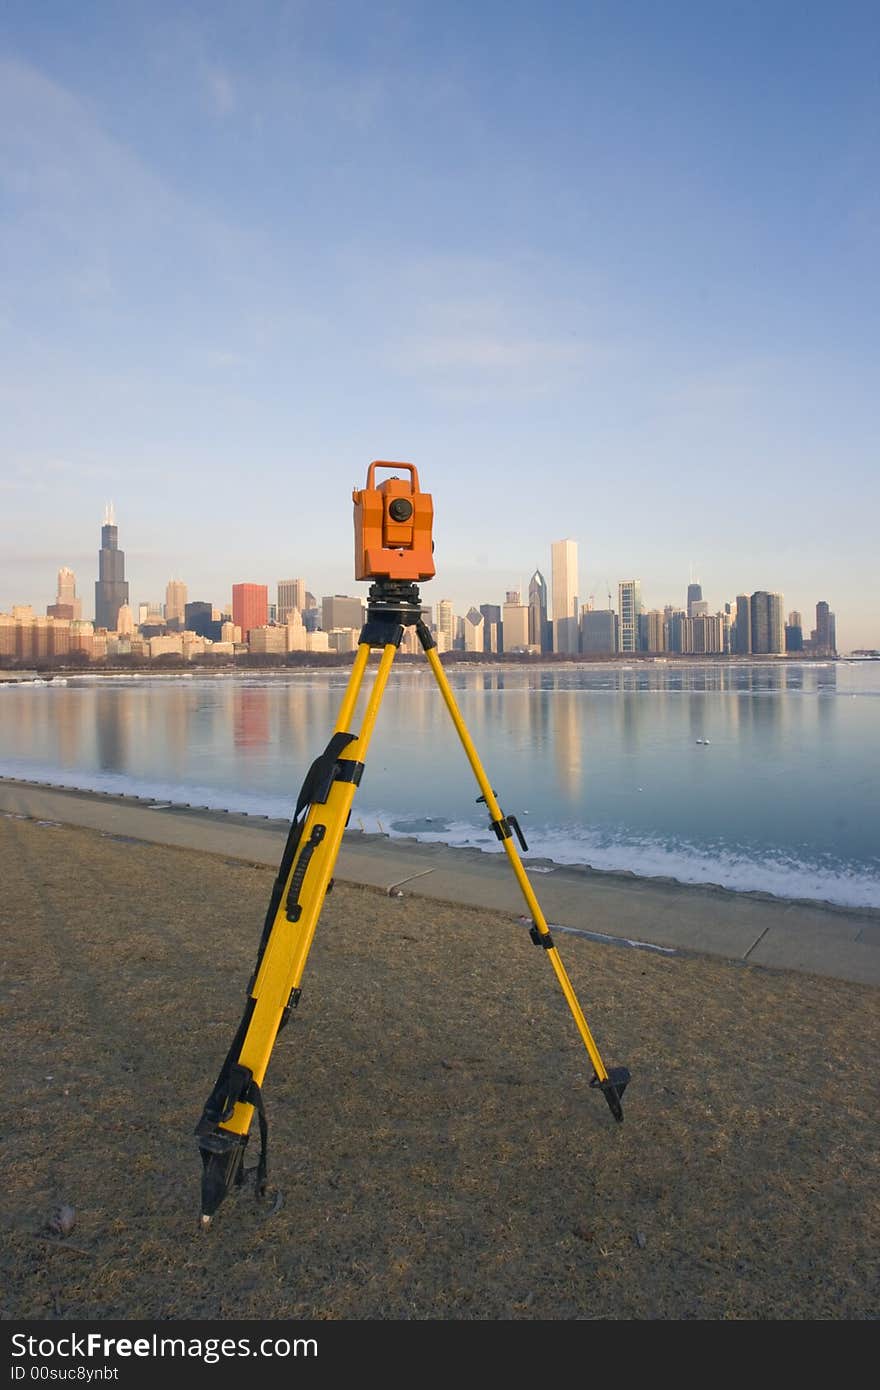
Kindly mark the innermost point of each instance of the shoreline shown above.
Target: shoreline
(538, 862)
(609, 905)
(408, 661)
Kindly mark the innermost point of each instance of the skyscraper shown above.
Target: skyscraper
(599, 631)
(768, 623)
(446, 624)
(291, 595)
(492, 627)
(695, 595)
(629, 606)
(250, 606)
(473, 630)
(826, 630)
(743, 624)
(564, 579)
(515, 626)
(540, 634)
(66, 604)
(111, 589)
(175, 602)
(341, 610)
(655, 636)
(66, 593)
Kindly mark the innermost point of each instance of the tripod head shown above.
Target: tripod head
(392, 527)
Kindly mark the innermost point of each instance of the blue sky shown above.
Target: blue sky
(599, 271)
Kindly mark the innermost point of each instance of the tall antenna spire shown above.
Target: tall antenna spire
(109, 515)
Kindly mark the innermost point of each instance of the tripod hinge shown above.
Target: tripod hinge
(505, 827)
(540, 938)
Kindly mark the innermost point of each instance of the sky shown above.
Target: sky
(603, 272)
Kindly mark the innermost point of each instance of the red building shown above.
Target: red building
(250, 607)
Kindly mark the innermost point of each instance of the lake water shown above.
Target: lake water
(756, 777)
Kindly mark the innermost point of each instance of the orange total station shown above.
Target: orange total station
(393, 527)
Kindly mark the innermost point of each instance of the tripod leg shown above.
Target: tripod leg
(297, 899)
(611, 1083)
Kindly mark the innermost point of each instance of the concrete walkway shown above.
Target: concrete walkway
(650, 913)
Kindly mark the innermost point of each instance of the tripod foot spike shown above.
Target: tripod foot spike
(222, 1154)
(613, 1088)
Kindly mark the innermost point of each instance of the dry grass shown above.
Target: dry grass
(435, 1150)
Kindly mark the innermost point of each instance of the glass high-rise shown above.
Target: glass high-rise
(767, 623)
(629, 606)
(695, 595)
(826, 630)
(111, 588)
(540, 634)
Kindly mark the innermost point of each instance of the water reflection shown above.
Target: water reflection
(250, 717)
(787, 762)
(112, 717)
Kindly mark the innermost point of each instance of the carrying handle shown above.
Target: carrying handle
(380, 463)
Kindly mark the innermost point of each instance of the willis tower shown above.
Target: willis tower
(111, 587)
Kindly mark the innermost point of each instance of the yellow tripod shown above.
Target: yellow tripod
(304, 877)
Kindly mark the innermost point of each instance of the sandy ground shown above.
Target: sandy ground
(435, 1149)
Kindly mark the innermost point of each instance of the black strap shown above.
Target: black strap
(314, 791)
(254, 1097)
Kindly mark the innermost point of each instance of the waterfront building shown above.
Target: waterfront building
(629, 606)
(515, 626)
(345, 639)
(492, 628)
(66, 604)
(680, 633)
(794, 635)
(743, 633)
(598, 636)
(250, 606)
(295, 630)
(473, 630)
(767, 623)
(708, 634)
(565, 608)
(125, 621)
(175, 602)
(111, 588)
(291, 597)
(268, 640)
(826, 630)
(655, 634)
(445, 623)
(341, 610)
(199, 618)
(170, 644)
(540, 631)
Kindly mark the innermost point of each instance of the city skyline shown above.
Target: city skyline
(250, 605)
(599, 312)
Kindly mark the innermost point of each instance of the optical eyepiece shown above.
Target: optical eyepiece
(400, 509)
